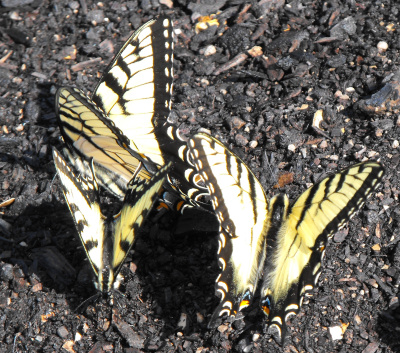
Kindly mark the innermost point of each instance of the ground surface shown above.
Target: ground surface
(312, 55)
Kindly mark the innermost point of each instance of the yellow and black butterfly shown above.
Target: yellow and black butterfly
(133, 97)
(281, 243)
(107, 240)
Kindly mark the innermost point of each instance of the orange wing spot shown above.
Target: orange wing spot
(179, 205)
(162, 205)
(266, 310)
(244, 304)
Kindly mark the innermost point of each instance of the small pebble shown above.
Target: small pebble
(222, 328)
(210, 50)
(323, 144)
(382, 46)
(95, 16)
(78, 336)
(255, 51)
(235, 122)
(336, 333)
(37, 287)
(253, 144)
(62, 332)
(318, 118)
(69, 346)
(182, 323)
(200, 318)
(14, 15)
(241, 140)
(74, 5)
(357, 320)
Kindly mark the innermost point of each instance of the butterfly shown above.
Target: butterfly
(281, 243)
(107, 240)
(127, 118)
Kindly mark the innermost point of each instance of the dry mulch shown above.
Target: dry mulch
(254, 81)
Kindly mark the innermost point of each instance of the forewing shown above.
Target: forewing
(88, 134)
(136, 87)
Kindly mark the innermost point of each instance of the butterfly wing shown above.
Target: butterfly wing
(135, 93)
(82, 196)
(138, 202)
(89, 135)
(137, 86)
(240, 204)
(293, 267)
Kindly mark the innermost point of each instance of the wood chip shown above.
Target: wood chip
(85, 64)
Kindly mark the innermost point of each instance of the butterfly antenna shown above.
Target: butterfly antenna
(52, 181)
(85, 303)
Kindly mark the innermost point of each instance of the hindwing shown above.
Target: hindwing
(88, 134)
(138, 202)
(240, 204)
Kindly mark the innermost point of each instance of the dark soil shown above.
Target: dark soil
(312, 55)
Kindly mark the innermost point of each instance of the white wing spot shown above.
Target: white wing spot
(222, 293)
(289, 315)
(277, 319)
(308, 287)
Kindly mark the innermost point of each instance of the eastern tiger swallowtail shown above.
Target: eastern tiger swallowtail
(107, 240)
(283, 244)
(133, 95)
